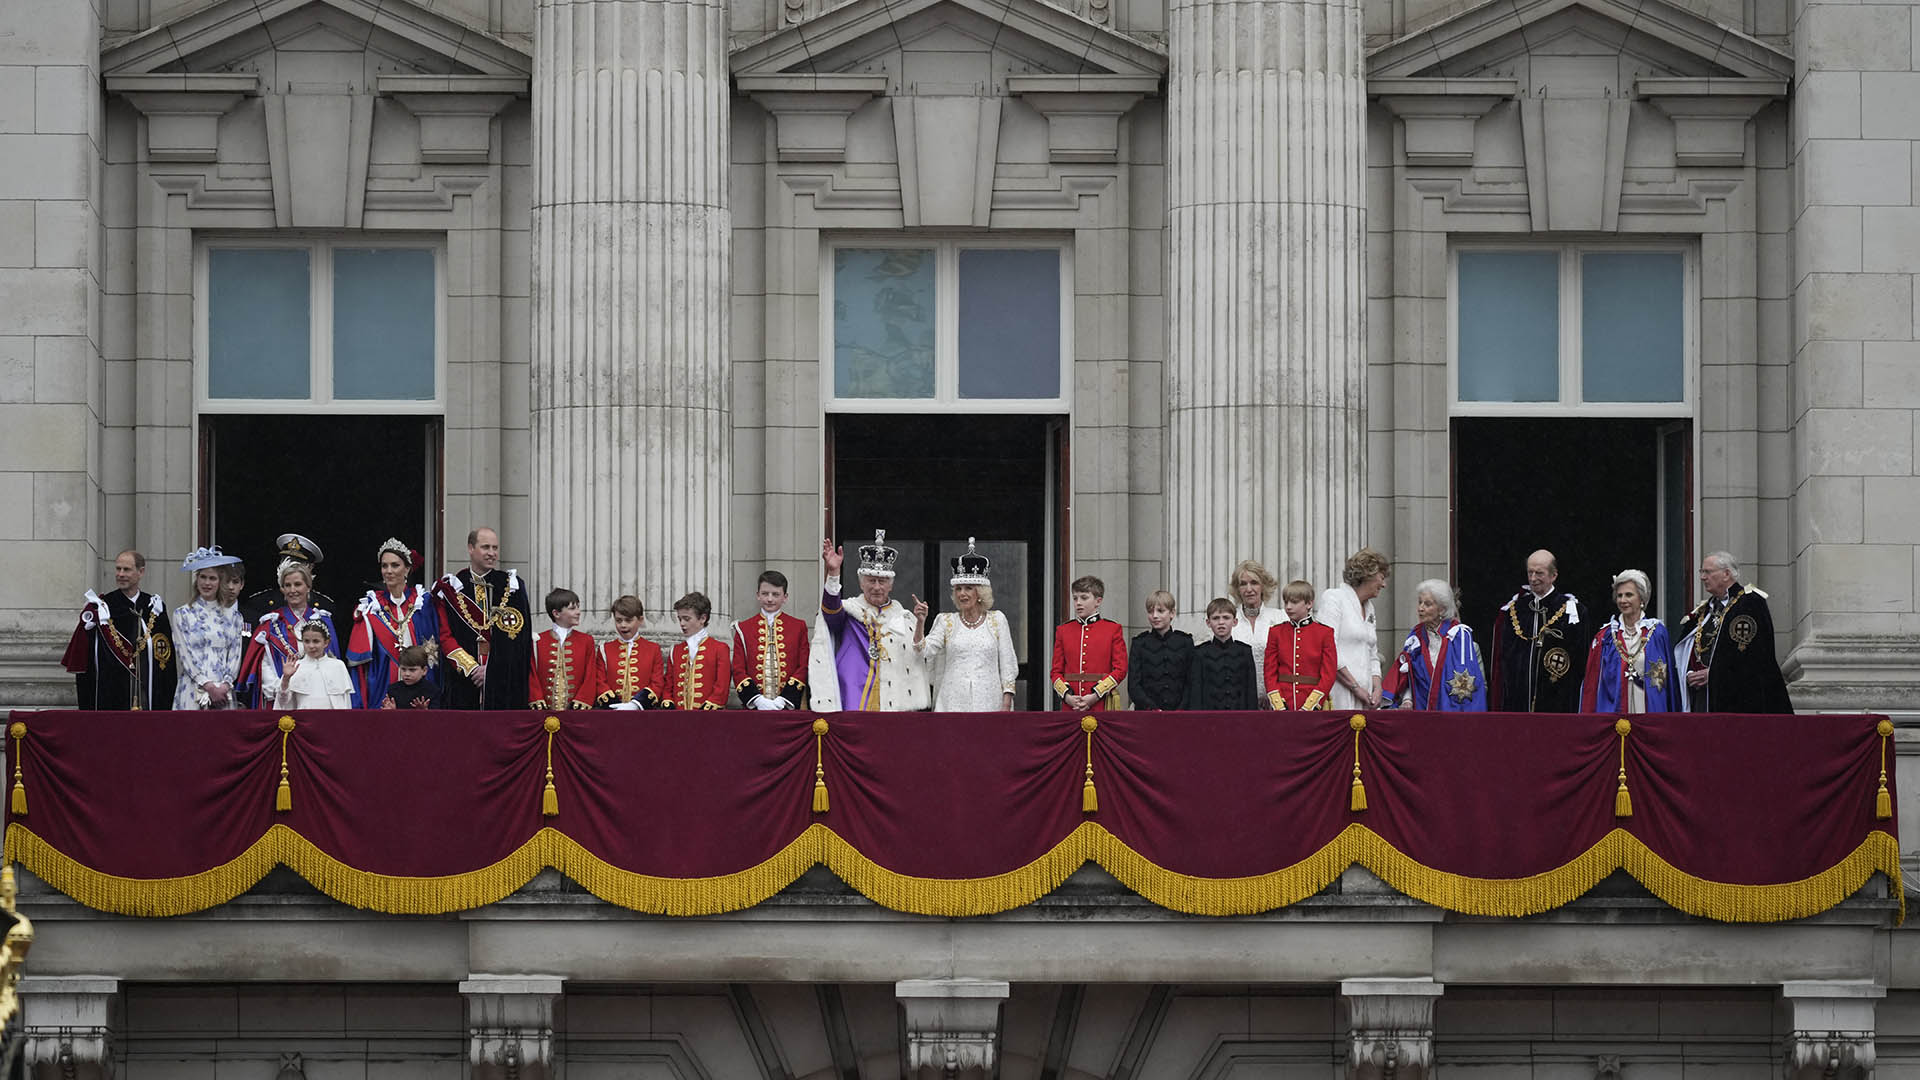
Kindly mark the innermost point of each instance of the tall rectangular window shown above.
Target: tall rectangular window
(331, 325)
(979, 323)
(1599, 329)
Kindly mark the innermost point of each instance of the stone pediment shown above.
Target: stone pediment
(1009, 38)
(395, 38)
(1578, 48)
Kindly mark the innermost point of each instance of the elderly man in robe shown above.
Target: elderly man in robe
(862, 655)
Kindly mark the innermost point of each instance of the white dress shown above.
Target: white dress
(315, 684)
(1254, 632)
(1356, 645)
(979, 666)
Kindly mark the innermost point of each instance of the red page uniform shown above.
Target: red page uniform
(1090, 657)
(698, 677)
(1300, 665)
(631, 671)
(770, 659)
(565, 672)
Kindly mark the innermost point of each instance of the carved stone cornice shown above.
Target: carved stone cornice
(810, 112)
(952, 1027)
(510, 1025)
(1083, 111)
(455, 111)
(71, 1022)
(183, 111)
(1390, 1022)
(1440, 114)
(1710, 115)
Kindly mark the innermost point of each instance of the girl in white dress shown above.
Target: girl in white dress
(316, 680)
(980, 666)
(209, 635)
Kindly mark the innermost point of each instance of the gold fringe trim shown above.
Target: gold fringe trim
(953, 897)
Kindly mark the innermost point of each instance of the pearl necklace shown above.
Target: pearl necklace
(973, 624)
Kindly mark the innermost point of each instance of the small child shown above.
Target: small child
(632, 670)
(315, 679)
(770, 651)
(1300, 660)
(697, 670)
(1223, 675)
(413, 691)
(1162, 656)
(565, 673)
(1089, 653)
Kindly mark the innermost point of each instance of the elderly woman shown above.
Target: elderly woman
(276, 637)
(1630, 664)
(1439, 668)
(1252, 586)
(1348, 609)
(208, 634)
(980, 667)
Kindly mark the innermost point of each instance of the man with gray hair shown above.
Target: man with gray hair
(1727, 646)
(1539, 645)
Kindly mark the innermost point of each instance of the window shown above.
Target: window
(981, 324)
(330, 325)
(1606, 331)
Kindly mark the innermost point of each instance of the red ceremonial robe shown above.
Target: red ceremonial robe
(1089, 657)
(563, 675)
(770, 664)
(1300, 663)
(631, 671)
(698, 679)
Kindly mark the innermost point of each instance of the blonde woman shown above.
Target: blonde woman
(980, 666)
(1348, 609)
(1254, 617)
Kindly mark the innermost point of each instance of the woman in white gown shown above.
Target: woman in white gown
(1348, 608)
(979, 666)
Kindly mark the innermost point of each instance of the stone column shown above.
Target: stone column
(69, 1024)
(1391, 1023)
(52, 269)
(1831, 1037)
(632, 447)
(1266, 375)
(510, 1025)
(952, 1027)
(1854, 616)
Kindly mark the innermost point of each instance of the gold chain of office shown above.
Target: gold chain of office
(1513, 616)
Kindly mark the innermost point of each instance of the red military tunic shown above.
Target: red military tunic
(1089, 657)
(697, 678)
(770, 664)
(563, 675)
(1300, 663)
(631, 671)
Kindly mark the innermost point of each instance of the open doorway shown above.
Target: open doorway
(1602, 494)
(934, 481)
(345, 482)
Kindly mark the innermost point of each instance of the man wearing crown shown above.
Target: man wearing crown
(862, 655)
(121, 654)
(484, 631)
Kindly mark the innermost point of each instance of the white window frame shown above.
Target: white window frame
(1570, 401)
(320, 397)
(946, 356)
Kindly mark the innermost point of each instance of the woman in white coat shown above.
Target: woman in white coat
(1348, 609)
(979, 666)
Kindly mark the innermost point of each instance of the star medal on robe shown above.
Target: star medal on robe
(1460, 686)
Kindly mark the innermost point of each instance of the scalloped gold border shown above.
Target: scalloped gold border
(1356, 844)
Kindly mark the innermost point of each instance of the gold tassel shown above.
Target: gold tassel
(1882, 801)
(819, 770)
(18, 804)
(1622, 799)
(1358, 800)
(283, 798)
(549, 798)
(1089, 798)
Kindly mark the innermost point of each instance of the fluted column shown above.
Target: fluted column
(1266, 379)
(632, 447)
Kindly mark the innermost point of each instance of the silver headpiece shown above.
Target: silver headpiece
(877, 559)
(970, 568)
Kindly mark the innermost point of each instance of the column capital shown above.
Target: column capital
(1390, 1022)
(510, 1025)
(70, 1024)
(952, 1025)
(1832, 1033)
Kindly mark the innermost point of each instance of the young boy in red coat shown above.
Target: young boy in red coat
(698, 671)
(1089, 653)
(1300, 658)
(632, 670)
(566, 667)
